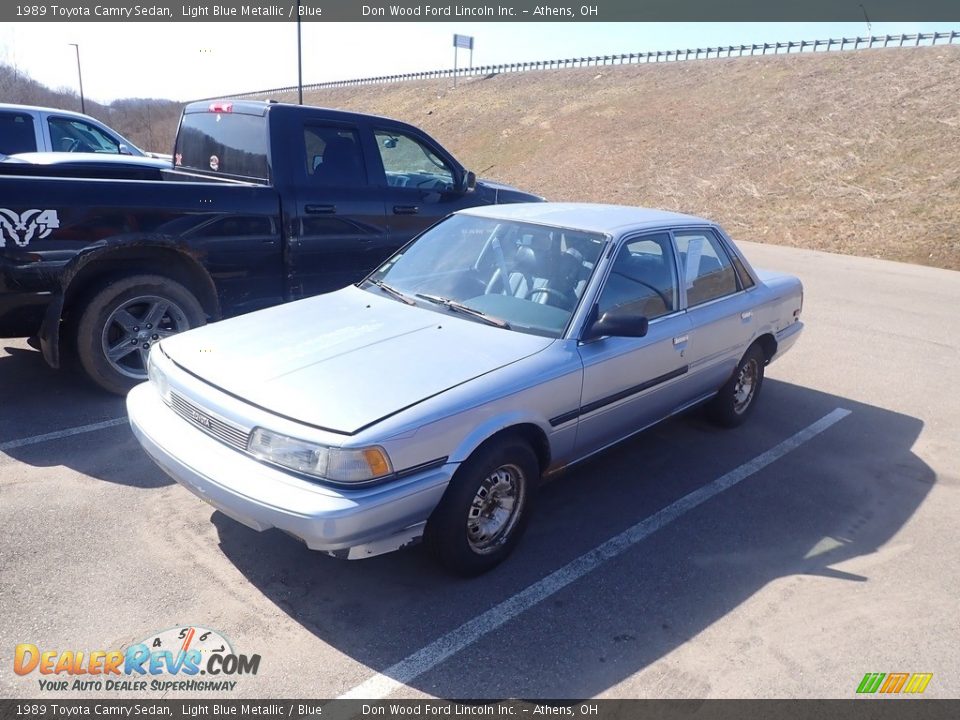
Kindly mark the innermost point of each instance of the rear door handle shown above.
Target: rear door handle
(680, 339)
(405, 209)
(746, 314)
(320, 209)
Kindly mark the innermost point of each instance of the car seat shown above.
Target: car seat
(341, 164)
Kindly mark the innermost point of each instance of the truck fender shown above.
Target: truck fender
(125, 249)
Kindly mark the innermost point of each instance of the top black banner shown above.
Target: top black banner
(492, 11)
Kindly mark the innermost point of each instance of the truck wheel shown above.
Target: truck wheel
(124, 319)
(737, 398)
(485, 509)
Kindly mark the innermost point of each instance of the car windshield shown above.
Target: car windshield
(516, 275)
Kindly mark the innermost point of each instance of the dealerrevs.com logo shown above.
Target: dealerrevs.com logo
(182, 658)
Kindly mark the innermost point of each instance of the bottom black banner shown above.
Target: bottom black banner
(854, 709)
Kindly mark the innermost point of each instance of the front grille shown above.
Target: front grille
(223, 431)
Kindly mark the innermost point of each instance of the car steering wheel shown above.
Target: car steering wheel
(549, 291)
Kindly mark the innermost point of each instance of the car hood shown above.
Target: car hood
(346, 360)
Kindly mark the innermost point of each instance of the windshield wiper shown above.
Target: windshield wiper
(460, 307)
(393, 291)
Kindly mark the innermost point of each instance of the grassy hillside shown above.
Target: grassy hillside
(854, 152)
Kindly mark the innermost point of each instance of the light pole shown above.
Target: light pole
(83, 107)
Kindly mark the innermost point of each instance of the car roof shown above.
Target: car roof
(589, 217)
(41, 108)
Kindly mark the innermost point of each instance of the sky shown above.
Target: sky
(190, 60)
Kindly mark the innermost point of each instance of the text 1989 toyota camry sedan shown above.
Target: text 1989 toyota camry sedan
(503, 344)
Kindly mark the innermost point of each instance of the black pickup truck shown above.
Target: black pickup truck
(265, 203)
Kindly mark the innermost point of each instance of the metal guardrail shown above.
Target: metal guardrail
(724, 51)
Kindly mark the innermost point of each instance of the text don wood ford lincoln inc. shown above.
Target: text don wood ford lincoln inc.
(188, 658)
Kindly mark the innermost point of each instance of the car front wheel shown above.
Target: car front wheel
(485, 509)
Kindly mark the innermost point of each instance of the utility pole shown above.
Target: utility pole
(83, 107)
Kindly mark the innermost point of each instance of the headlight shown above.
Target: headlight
(156, 376)
(330, 463)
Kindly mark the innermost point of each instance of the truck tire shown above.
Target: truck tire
(485, 509)
(123, 319)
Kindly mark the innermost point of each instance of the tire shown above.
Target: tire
(462, 539)
(122, 311)
(737, 398)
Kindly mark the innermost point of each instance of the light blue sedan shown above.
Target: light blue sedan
(501, 346)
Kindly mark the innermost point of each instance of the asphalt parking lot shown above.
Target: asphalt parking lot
(792, 575)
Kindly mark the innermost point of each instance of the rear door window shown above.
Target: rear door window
(705, 267)
(333, 156)
(17, 134)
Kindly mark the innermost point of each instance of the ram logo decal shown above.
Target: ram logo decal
(23, 227)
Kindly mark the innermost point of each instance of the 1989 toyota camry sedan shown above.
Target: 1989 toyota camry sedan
(427, 401)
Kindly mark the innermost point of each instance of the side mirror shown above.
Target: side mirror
(124, 150)
(469, 182)
(614, 325)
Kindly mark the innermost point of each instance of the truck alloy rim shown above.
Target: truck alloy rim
(746, 384)
(134, 327)
(495, 509)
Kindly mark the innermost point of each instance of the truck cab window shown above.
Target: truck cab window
(334, 157)
(409, 163)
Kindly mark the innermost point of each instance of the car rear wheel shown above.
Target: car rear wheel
(124, 319)
(737, 398)
(485, 509)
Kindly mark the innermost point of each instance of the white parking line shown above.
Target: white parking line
(11, 444)
(382, 684)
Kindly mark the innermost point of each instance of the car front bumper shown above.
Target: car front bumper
(346, 523)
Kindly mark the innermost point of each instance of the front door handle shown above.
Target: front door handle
(405, 209)
(680, 339)
(320, 209)
(746, 314)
